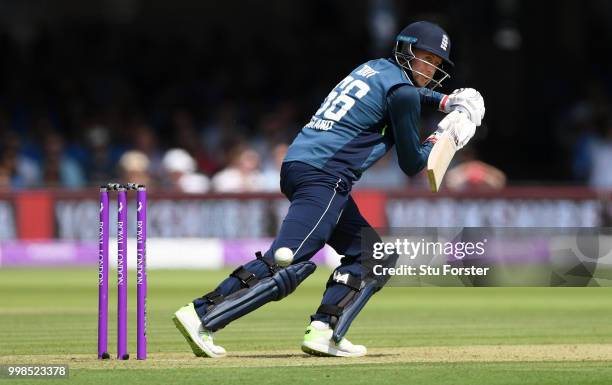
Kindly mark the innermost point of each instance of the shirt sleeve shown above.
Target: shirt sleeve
(404, 107)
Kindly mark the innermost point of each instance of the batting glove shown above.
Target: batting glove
(460, 127)
(469, 100)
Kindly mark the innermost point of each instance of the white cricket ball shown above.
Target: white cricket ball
(283, 256)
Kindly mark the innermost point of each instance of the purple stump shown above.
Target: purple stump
(103, 276)
(141, 273)
(122, 276)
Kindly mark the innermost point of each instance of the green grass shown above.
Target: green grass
(53, 313)
(451, 374)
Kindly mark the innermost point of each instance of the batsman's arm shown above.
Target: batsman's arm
(431, 98)
(404, 107)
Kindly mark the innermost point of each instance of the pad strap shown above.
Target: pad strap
(246, 278)
(213, 298)
(273, 267)
(346, 279)
(332, 310)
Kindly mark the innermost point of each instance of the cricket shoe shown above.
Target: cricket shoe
(318, 342)
(201, 341)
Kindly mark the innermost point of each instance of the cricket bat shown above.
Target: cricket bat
(440, 157)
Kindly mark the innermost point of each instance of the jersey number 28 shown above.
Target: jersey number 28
(339, 101)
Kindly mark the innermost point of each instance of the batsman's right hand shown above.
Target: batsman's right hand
(461, 128)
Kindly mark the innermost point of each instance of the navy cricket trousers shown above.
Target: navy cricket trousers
(321, 211)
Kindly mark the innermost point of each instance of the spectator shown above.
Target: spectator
(600, 155)
(581, 131)
(22, 171)
(5, 177)
(134, 167)
(187, 137)
(385, 174)
(271, 171)
(145, 140)
(180, 169)
(471, 173)
(101, 159)
(58, 168)
(242, 175)
(276, 126)
(223, 128)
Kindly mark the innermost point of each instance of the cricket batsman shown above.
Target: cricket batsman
(377, 106)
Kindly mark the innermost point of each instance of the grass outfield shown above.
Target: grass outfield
(414, 335)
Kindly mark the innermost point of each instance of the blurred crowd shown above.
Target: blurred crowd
(196, 106)
(216, 155)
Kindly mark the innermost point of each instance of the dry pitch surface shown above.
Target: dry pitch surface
(284, 358)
